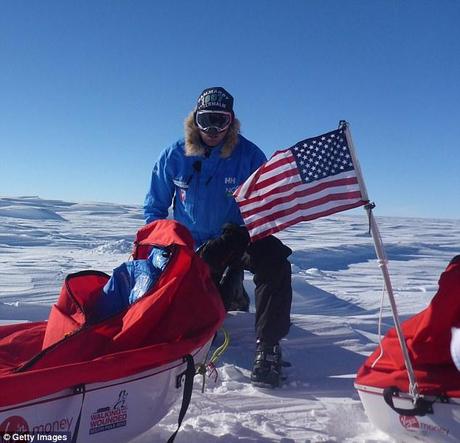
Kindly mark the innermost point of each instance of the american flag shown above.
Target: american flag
(314, 178)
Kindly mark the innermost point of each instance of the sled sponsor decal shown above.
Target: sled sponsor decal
(413, 424)
(12, 424)
(110, 417)
(16, 428)
(409, 422)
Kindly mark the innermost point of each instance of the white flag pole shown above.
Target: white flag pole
(383, 262)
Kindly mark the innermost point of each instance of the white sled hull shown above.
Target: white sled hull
(115, 411)
(443, 425)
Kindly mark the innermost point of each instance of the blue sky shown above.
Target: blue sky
(92, 91)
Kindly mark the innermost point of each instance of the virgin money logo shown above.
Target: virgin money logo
(13, 424)
(412, 424)
(409, 422)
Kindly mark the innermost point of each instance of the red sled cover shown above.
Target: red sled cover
(428, 336)
(179, 314)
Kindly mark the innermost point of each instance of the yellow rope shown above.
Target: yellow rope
(222, 348)
(210, 367)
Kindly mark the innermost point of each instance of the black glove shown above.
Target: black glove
(237, 237)
(222, 251)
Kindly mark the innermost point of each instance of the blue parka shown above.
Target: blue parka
(200, 187)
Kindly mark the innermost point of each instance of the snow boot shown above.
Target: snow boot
(266, 372)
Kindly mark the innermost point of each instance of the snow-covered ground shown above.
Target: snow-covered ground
(337, 291)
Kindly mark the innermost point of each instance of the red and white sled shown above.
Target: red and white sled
(115, 411)
(111, 380)
(383, 385)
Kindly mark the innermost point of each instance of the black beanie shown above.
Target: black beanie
(215, 99)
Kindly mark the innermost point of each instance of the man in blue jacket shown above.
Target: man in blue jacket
(197, 176)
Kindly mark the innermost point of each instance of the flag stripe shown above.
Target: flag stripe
(260, 199)
(279, 158)
(296, 189)
(259, 233)
(287, 201)
(274, 180)
(284, 168)
(287, 211)
(286, 184)
(257, 197)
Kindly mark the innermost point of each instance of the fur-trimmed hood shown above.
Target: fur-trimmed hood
(194, 145)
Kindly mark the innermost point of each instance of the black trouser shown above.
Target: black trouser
(267, 260)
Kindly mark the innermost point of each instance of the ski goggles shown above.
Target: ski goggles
(213, 121)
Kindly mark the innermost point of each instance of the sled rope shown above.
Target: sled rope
(379, 328)
(210, 368)
(222, 348)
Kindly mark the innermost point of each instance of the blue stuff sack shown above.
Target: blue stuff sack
(130, 281)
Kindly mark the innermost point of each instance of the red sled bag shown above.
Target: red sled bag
(72, 356)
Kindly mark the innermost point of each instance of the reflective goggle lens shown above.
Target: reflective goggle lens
(218, 121)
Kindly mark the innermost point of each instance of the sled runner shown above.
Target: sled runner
(99, 379)
(383, 385)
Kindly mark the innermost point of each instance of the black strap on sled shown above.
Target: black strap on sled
(189, 374)
(421, 406)
(80, 389)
